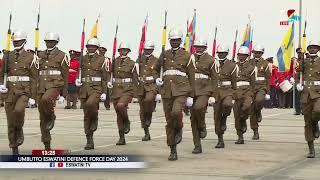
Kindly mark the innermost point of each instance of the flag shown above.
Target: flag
(143, 35)
(247, 37)
(191, 34)
(94, 31)
(304, 43)
(285, 51)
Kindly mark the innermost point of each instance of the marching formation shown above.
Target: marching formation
(182, 80)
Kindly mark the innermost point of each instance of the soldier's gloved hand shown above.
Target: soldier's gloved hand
(211, 100)
(78, 82)
(233, 101)
(189, 102)
(3, 89)
(158, 98)
(299, 87)
(109, 85)
(267, 97)
(159, 82)
(103, 97)
(31, 102)
(292, 80)
(61, 100)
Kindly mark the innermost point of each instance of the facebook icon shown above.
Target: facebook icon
(52, 164)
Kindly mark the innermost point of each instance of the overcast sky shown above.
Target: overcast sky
(65, 17)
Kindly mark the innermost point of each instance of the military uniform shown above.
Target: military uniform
(147, 90)
(22, 85)
(124, 86)
(243, 97)
(53, 80)
(203, 89)
(310, 98)
(261, 88)
(225, 73)
(178, 79)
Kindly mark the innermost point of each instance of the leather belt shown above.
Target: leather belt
(18, 78)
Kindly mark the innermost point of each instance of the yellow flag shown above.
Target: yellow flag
(164, 36)
(304, 43)
(8, 42)
(94, 31)
(187, 43)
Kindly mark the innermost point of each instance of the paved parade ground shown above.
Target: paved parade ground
(279, 154)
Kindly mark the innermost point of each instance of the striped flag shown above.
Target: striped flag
(285, 51)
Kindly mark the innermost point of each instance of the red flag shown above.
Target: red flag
(143, 36)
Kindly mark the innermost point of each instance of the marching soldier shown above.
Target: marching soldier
(244, 93)
(149, 68)
(225, 72)
(102, 52)
(93, 84)
(53, 81)
(203, 90)
(21, 88)
(72, 88)
(123, 86)
(310, 97)
(175, 89)
(261, 88)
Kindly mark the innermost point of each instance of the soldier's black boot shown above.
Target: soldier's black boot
(178, 137)
(15, 151)
(90, 143)
(122, 140)
(311, 150)
(51, 120)
(259, 116)
(127, 127)
(316, 131)
(47, 145)
(19, 136)
(173, 153)
(255, 135)
(94, 122)
(203, 133)
(197, 149)
(146, 135)
(240, 139)
(220, 143)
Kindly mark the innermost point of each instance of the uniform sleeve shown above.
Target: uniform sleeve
(191, 74)
(2, 69)
(234, 77)
(268, 76)
(253, 77)
(104, 78)
(65, 74)
(214, 79)
(34, 77)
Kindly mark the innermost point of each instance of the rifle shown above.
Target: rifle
(302, 58)
(114, 51)
(36, 35)
(235, 46)
(6, 60)
(214, 47)
(81, 47)
(164, 40)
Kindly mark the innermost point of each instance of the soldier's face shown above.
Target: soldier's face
(242, 57)
(91, 49)
(18, 43)
(313, 49)
(257, 54)
(222, 55)
(124, 52)
(102, 51)
(51, 44)
(148, 51)
(175, 43)
(200, 49)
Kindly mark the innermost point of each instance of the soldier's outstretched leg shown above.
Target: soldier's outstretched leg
(217, 124)
(238, 120)
(120, 106)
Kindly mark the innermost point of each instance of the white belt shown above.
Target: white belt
(125, 80)
(310, 83)
(243, 83)
(18, 78)
(261, 78)
(91, 79)
(173, 72)
(225, 83)
(50, 72)
(149, 78)
(201, 76)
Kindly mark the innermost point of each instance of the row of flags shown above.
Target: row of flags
(283, 55)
